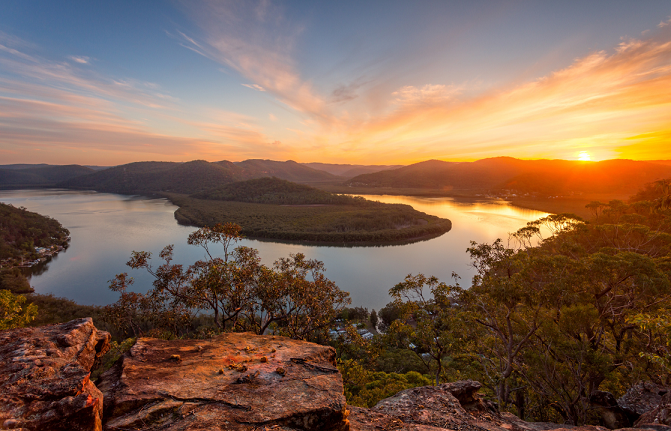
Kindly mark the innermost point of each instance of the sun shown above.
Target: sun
(584, 156)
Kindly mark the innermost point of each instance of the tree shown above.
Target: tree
(373, 319)
(428, 324)
(292, 298)
(14, 312)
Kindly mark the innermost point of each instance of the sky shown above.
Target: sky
(361, 82)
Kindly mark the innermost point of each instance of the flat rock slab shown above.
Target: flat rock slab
(44, 377)
(231, 382)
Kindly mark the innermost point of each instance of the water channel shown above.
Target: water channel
(105, 228)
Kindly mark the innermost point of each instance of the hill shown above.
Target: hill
(271, 190)
(190, 177)
(543, 177)
(350, 171)
(289, 170)
(39, 175)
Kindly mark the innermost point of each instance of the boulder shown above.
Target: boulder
(235, 381)
(613, 415)
(44, 377)
(660, 415)
(642, 397)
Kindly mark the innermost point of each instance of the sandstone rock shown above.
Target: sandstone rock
(450, 406)
(642, 397)
(436, 406)
(660, 415)
(44, 377)
(225, 384)
(362, 419)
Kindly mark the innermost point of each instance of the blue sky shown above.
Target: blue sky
(344, 82)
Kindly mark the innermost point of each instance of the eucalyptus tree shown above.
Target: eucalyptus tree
(292, 298)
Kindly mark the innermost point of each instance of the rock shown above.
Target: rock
(660, 415)
(642, 397)
(437, 407)
(224, 384)
(613, 415)
(450, 406)
(44, 377)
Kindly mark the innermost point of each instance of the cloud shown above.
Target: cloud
(272, 117)
(596, 102)
(71, 115)
(663, 24)
(255, 39)
(79, 59)
(254, 87)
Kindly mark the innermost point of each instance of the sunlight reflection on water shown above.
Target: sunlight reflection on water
(105, 228)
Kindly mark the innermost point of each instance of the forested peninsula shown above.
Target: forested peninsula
(26, 237)
(272, 208)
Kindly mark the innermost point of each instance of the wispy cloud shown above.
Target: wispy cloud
(254, 87)
(594, 104)
(255, 39)
(79, 59)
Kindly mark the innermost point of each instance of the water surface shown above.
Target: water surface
(105, 228)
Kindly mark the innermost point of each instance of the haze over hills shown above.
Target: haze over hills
(190, 177)
(349, 171)
(524, 176)
(39, 175)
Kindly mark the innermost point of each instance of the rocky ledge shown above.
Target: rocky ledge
(44, 377)
(243, 382)
(231, 382)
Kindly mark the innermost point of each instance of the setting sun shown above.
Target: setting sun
(584, 156)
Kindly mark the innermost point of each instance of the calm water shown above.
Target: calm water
(105, 228)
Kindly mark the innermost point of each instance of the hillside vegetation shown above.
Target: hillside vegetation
(336, 224)
(277, 192)
(39, 175)
(190, 177)
(22, 230)
(540, 177)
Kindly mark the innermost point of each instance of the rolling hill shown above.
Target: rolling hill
(350, 171)
(190, 177)
(544, 177)
(39, 175)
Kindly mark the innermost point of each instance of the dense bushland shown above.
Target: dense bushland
(22, 230)
(372, 222)
(546, 321)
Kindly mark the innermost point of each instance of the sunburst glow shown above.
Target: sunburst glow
(584, 156)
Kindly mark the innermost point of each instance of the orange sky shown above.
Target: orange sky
(271, 102)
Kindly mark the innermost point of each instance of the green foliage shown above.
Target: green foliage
(21, 231)
(113, 354)
(292, 298)
(388, 314)
(14, 312)
(271, 190)
(364, 388)
(374, 222)
(53, 310)
(355, 314)
(373, 318)
(13, 280)
(428, 325)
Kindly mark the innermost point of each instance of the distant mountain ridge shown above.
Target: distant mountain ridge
(39, 175)
(190, 177)
(350, 171)
(524, 176)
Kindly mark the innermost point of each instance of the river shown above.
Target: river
(106, 227)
